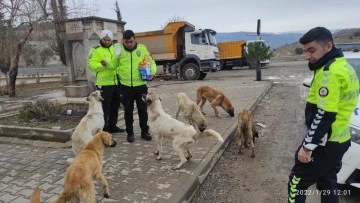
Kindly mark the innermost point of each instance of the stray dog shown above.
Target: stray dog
(87, 165)
(163, 125)
(216, 98)
(35, 198)
(92, 123)
(191, 112)
(246, 131)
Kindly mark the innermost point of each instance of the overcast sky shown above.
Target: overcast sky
(235, 15)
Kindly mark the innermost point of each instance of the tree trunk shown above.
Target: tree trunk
(14, 71)
(258, 71)
(59, 15)
(15, 63)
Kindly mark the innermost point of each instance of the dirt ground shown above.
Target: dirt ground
(60, 120)
(241, 179)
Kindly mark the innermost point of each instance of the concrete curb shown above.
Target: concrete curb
(36, 133)
(189, 186)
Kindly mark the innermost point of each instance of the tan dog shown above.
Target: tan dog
(246, 131)
(191, 111)
(216, 98)
(163, 125)
(87, 165)
(92, 123)
(35, 198)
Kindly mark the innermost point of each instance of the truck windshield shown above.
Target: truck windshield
(212, 38)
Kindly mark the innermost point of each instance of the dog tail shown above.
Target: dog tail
(213, 133)
(35, 198)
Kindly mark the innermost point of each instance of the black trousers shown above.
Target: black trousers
(129, 96)
(322, 171)
(110, 104)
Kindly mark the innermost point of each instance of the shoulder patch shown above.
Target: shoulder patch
(323, 91)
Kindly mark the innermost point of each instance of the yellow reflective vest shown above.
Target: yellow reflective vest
(104, 76)
(127, 64)
(334, 90)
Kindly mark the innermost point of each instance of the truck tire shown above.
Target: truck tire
(190, 71)
(202, 76)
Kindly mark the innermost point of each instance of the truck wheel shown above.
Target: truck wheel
(190, 72)
(202, 76)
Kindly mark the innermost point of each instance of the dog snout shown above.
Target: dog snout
(113, 143)
(202, 129)
(231, 113)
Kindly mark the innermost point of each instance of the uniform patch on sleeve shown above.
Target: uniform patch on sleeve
(323, 92)
(138, 53)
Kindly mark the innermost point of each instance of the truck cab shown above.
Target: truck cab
(190, 52)
(201, 44)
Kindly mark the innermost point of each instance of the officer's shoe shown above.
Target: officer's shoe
(130, 137)
(146, 136)
(114, 129)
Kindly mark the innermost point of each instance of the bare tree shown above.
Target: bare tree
(175, 18)
(4, 44)
(59, 15)
(21, 18)
(117, 10)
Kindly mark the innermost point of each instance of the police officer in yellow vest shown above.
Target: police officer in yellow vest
(106, 80)
(128, 57)
(331, 100)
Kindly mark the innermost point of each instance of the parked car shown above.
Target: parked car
(350, 171)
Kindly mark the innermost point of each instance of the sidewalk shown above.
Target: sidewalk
(133, 173)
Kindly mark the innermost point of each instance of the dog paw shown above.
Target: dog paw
(252, 156)
(188, 157)
(175, 168)
(158, 158)
(106, 195)
(156, 152)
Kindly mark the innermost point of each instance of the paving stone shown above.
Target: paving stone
(6, 197)
(26, 193)
(7, 179)
(20, 200)
(13, 189)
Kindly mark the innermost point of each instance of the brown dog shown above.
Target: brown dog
(246, 131)
(216, 98)
(87, 165)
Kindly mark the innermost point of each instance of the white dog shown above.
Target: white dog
(91, 124)
(191, 111)
(163, 125)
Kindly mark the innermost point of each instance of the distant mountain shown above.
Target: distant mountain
(275, 40)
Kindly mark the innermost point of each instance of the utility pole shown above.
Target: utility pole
(258, 30)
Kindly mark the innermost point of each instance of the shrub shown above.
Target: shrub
(299, 51)
(40, 110)
(45, 55)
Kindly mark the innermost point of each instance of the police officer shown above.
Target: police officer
(133, 87)
(106, 80)
(331, 100)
